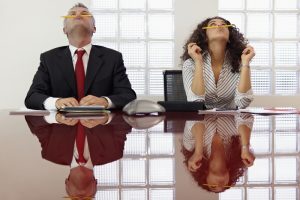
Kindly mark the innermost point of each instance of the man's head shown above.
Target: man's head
(79, 22)
(81, 183)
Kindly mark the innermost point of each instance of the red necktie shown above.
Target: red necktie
(80, 140)
(80, 76)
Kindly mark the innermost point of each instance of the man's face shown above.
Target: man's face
(79, 24)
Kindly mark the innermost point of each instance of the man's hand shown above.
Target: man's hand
(71, 101)
(62, 120)
(92, 100)
(91, 123)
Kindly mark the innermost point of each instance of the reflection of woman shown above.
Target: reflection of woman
(216, 65)
(217, 150)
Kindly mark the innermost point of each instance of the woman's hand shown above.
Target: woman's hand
(194, 163)
(247, 55)
(194, 52)
(247, 157)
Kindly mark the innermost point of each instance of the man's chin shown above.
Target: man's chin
(80, 30)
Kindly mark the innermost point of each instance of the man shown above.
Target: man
(81, 73)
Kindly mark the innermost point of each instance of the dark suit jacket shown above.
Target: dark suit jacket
(106, 142)
(105, 76)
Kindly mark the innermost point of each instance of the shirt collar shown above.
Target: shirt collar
(87, 49)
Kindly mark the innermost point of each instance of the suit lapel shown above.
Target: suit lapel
(68, 68)
(94, 64)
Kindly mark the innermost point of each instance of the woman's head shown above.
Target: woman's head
(219, 180)
(235, 41)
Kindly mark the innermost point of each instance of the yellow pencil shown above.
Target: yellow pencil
(224, 26)
(73, 16)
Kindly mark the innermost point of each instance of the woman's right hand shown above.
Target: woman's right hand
(194, 52)
(195, 161)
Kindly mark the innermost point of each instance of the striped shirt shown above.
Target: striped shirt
(224, 125)
(224, 94)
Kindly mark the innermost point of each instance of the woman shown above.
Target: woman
(217, 150)
(216, 66)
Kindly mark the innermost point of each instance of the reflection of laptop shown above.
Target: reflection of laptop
(182, 106)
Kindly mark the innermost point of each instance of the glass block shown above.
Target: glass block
(286, 142)
(259, 193)
(259, 5)
(262, 123)
(161, 193)
(260, 172)
(137, 80)
(136, 144)
(134, 54)
(284, 22)
(261, 142)
(161, 55)
(134, 194)
(160, 5)
(261, 81)
(107, 25)
(132, 26)
(285, 82)
(259, 25)
(263, 54)
(161, 171)
(285, 5)
(286, 170)
(286, 193)
(133, 4)
(161, 143)
(108, 174)
(104, 4)
(156, 82)
(232, 194)
(107, 194)
(286, 123)
(231, 4)
(235, 18)
(111, 45)
(133, 172)
(285, 54)
(157, 128)
(161, 26)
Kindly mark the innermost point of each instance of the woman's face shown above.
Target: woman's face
(217, 34)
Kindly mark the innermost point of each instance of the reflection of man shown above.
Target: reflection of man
(103, 143)
(81, 73)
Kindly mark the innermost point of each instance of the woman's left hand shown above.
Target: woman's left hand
(247, 157)
(247, 55)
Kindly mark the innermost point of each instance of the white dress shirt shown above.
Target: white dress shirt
(49, 103)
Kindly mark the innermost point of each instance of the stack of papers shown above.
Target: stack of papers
(253, 110)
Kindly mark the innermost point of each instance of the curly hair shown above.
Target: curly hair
(235, 165)
(235, 46)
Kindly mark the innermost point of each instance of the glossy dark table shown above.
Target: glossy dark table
(141, 158)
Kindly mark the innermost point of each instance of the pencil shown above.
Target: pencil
(224, 26)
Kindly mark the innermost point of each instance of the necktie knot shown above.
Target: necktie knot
(80, 52)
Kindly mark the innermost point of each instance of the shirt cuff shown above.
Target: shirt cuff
(51, 119)
(110, 103)
(49, 103)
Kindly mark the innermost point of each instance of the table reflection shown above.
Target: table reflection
(103, 142)
(217, 149)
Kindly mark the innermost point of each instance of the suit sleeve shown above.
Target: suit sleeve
(40, 87)
(122, 91)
